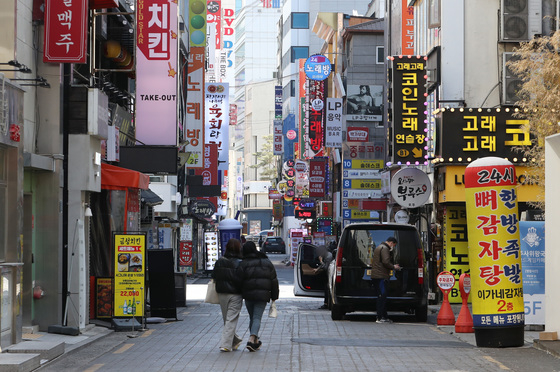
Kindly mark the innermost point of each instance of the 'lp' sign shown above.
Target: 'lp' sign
(494, 253)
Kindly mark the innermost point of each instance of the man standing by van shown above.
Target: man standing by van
(381, 266)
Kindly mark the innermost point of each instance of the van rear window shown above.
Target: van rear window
(359, 245)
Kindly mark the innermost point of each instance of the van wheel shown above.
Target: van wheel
(421, 313)
(337, 312)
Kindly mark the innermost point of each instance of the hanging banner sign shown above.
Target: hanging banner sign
(193, 122)
(66, 31)
(129, 260)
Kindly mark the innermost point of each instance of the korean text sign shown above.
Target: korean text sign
(494, 245)
(66, 27)
(130, 261)
(409, 111)
(316, 112)
(455, 246)
(476, 133)
(317, 177)
(156, 72)
(217, 119)
(193, 132)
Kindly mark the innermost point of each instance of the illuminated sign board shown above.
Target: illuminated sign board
(409, 112)
(476, 133)
(305, 214)
(307, 203)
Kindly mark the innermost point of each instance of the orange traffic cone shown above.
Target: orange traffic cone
(445, 314)
(464, 320)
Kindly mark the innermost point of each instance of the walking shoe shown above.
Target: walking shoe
(258, 344)
(383, 320)
(251, 346)
(325, 306)
(237, 343)
(225, 349)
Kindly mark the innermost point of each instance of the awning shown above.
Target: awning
(150, 198)
(117, 178)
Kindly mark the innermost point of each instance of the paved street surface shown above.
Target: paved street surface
(301, 338)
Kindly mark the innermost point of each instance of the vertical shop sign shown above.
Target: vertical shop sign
(316, 114)
(409, 112)
(533, 262)
(227, 54)
(156, 73)
(455, 246)
(333, 126)
(278, 102)
(130, 255)
(210, 172)
(407, 28)
(278, 139)
(494, 252)
(217, 120)
(303, 142)
(317, 177)
(185, 254)
(66, 27)
(193, 133)
(214, 19)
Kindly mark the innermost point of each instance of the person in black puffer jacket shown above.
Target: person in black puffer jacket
(259, 286)
(228, 286)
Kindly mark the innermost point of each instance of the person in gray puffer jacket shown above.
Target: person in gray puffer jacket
(228, 286)
(260, 285)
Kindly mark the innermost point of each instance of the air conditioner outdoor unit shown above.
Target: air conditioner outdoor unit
(520, 20)
(510, 82)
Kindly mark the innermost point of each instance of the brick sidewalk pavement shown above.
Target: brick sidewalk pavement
(301, 338)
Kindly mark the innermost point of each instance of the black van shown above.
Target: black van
(350, 283)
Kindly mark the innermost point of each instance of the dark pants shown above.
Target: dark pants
(381, 288)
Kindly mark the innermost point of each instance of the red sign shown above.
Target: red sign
(300, 213)
(445, 281)
(316, 118)
(214, 15)
(357, 134)
(210, 172)
(154, 29)
(185, 253)
(317, 177)
(66, 34)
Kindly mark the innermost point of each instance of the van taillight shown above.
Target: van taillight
(338, 277)
(420, 266)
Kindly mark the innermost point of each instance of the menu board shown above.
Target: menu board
(211, 242)
(130, 253)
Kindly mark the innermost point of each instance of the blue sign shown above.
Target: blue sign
(317, 67)
(533, 264)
